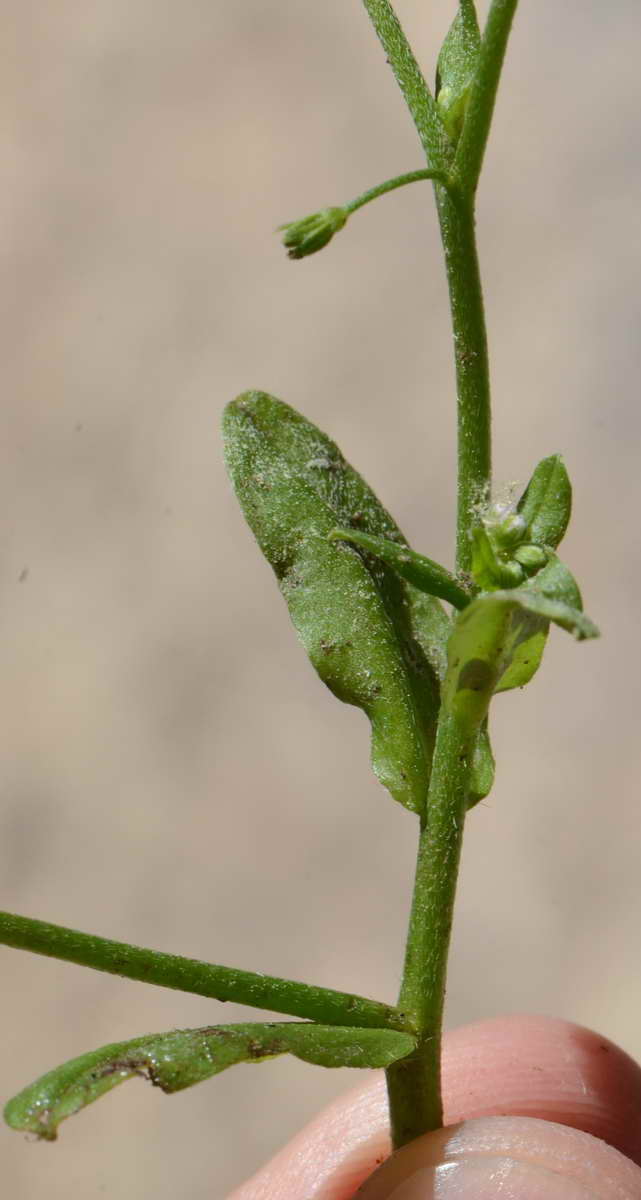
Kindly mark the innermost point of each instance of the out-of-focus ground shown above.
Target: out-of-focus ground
(171, 772)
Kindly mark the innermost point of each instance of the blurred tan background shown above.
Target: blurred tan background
(171, 771)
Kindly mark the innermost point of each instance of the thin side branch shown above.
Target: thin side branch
(199, 978)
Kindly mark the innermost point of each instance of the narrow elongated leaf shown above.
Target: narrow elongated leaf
(177, 1060)
(456, 66)
(546, 503)
(423, 573)
(497, 644)
(357, 620)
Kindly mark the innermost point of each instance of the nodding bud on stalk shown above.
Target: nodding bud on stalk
(310, 234)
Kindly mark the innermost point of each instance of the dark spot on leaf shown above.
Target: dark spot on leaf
(261, 482)
(475, 676)
(137, 1066)
(256, 1049)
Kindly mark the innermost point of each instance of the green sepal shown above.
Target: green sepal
(482, 770)
(370, 640)
(546, 503)
(497, 644)
(182, 1058)
(457, 63)
(423, 573)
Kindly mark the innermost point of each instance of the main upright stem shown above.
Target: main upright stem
(414, 1085)
(457, 221)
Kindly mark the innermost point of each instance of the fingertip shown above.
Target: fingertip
(520, 1158)
(536, 1066)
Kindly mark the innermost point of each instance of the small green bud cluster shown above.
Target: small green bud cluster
(502, 557)
(310, 234)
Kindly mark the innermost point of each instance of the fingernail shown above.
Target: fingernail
(484, 1177)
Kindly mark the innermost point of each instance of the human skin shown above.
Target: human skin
(534, 1107)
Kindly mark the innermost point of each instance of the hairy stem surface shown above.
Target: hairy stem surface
(414, 1088)
(200, 978)
(456, 217)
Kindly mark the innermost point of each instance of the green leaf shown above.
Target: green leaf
(557, 582)
(431, 628)
(423, 573)
(369, 639)
(481, 779)
(497, 644)
(546, 503)
(177, 1060)
(457, 63)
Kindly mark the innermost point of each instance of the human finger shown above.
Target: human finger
(537, 1067)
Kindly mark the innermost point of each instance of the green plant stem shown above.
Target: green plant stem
(202, 979)
(390, 185)
(457, 222)
(480, 107)
(414, 1088)
(413, 1084)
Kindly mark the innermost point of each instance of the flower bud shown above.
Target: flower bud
(510, 574)
(511, 530)
(312, 233)
(531, 557)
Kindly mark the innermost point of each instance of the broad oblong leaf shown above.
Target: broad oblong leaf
(182, 1058)
(546, 503)
(497, 643)
(456, 66)
(370, 639)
